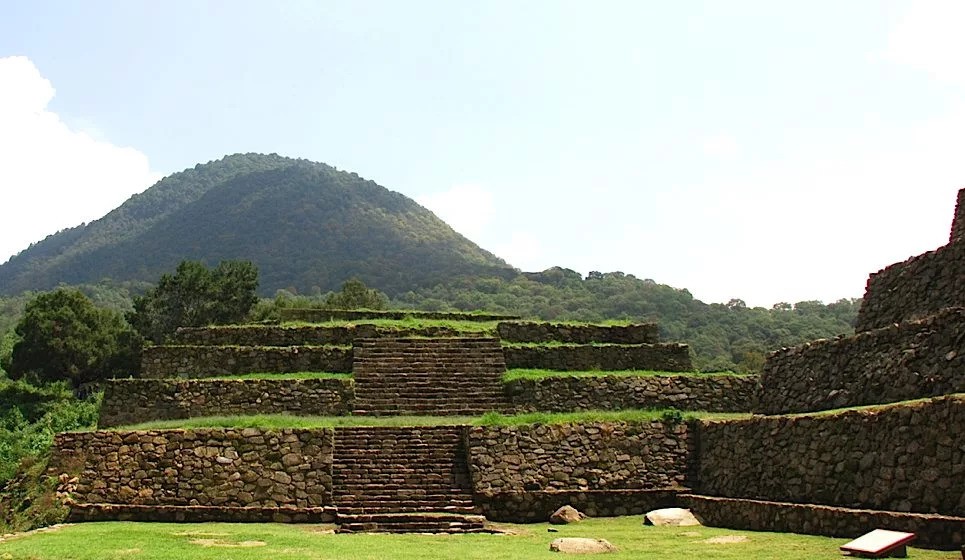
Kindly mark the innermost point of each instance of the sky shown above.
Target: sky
(760, 150)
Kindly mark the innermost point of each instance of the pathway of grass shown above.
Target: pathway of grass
(209, 541)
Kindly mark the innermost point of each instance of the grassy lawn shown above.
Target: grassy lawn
(514, 374)
(490, 419)
(155, 541)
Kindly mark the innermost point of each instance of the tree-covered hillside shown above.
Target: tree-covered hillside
(305, 225)
(728, 336)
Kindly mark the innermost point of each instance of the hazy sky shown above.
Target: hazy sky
(768, 151)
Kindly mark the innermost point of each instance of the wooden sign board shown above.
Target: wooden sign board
(879, 544)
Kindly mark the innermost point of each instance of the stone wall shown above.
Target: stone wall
(579, 457)
(578, 334)
(211, 361)
(307, 335)
(656, 357)
(328, 315)
(536, 507)
(714, 393)
(915, 288)
(133, 401)
(905, 458)
(248, 467)
(958, 226)
(906, 361)
(932, 531)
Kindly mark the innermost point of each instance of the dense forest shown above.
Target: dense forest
(307, 226)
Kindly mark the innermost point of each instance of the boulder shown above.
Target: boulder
(566, 514)
(578, 545)
(675, 517)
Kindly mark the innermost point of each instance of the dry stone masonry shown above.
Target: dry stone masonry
(713, 393)
(608, 357)
(298, 335)
(921, 285)
(958, 226)
(904, 458)
(524, 473)
(212, 361)
(903, 361)
(133, 401)
(527, 331)
(244, 469)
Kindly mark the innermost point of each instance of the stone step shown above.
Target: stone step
(432, 522)
(408, 506)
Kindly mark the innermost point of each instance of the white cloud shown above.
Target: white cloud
(53, 177)
(721, 146)
(525, 251)
(929, 37)
(467, 208)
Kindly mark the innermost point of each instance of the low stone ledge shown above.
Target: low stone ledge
(215, 467)
(902, 457)
(132, 401)
(614, 357)
(212, 361)
(307, 335)
(535, 507)
(592, 456)
(199, 514)
(526, 331)
(328, 315)
(934, 531)
(707, 392)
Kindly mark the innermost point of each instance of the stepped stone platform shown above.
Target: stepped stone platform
(403, 480)
(327, 315)
(428, 376)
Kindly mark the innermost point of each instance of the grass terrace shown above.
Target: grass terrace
(514, 374)
(488, 327)
(210, 541)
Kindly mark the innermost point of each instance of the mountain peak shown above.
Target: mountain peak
(306, 225)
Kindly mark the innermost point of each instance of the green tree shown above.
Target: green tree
(63, 336)
(195, 296)
(356, 295)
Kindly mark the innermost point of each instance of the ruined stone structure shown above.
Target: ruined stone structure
(429, 376)
(898, 466)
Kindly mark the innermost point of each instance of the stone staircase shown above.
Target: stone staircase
(428, 376)
(403, 480)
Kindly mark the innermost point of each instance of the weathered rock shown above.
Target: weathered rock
(566, 514)
(579, 545)
(674, 517)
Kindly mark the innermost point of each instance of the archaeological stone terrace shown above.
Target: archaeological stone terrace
(804, 462)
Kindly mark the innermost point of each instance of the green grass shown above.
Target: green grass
(514, 374)
(210, 541)
(294, 375)
(278, 421)
(408, 323)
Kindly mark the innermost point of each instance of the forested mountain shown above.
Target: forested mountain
(305, 225)
(727, 336)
